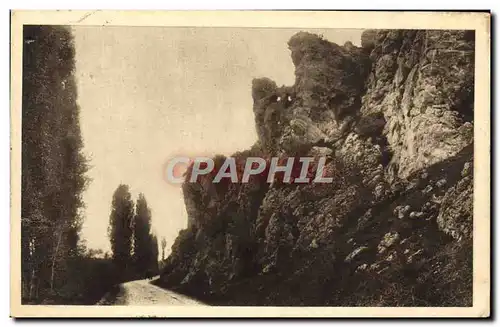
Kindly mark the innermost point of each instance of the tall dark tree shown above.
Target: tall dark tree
(120, 228)
(142, 235)
(153, 264)
(53, 164)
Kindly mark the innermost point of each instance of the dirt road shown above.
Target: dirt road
(142, 292)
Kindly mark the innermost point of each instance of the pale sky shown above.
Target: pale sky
(147, 94)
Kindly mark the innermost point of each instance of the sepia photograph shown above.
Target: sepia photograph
(185, 164)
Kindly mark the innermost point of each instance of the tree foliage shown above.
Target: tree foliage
(120, 228)
(53, 164)
(145, 243)
(142, 238)
(153, 267)
(56, 266)
(163, 246)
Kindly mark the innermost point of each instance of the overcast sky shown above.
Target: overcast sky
(149, 93)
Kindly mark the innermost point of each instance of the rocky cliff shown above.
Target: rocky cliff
(394, 117)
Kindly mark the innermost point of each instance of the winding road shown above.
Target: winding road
(142, 292)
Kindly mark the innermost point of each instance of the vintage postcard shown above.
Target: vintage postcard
(250, 164)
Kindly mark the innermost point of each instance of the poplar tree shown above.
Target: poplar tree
(120, 228)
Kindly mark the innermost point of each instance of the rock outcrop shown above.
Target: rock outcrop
(394, 118)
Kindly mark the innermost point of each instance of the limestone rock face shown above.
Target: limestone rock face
(423, 84)
(394, 120)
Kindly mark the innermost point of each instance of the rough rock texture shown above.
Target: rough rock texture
(423, 84)
(394, 120)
